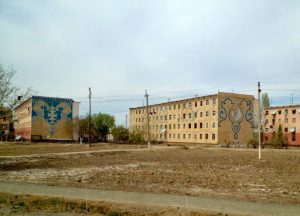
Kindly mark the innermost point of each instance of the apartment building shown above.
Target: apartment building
(47, 118)
(219, 118)
(5, 122)
(288, 117)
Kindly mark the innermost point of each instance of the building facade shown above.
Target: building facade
(47, 118)
(215, 119)
(5, 123)
(286, 116)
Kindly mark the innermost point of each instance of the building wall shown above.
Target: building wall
(236, 118)
(75, 120)
(52, 118)
(288, 117)
(22, 115)
(209, 119)
(5, 120)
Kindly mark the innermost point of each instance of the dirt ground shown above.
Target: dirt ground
(34, 205)
(23, 148)
(217, 172)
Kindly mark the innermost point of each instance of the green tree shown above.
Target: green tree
(265, 100)
(8, 91)
(120, 134)
(136, 137)
(280, 136)
(103, 124)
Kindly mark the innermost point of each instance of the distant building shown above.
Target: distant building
(47, 118)
(6, 126)
(288, 117)
(211, 119)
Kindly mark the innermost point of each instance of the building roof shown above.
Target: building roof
(283, 107)
(41, 97)
(187, 99)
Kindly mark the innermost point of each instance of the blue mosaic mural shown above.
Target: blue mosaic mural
(52, 111)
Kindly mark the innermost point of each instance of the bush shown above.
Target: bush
(253, 142)
(136, 137)
(120, 134)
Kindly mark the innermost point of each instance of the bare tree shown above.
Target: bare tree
(9, 93)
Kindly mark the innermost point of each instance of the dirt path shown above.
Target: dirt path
(234, 207)
(86, 152)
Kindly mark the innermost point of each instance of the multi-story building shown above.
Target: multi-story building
(5, 123)
(286, 116)
(47, 118)
(218, 118)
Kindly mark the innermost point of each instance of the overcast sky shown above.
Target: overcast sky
(175, 49)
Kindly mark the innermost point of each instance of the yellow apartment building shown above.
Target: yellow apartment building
(286, 116)
(214, 119)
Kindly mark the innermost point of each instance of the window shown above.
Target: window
(196, 104)
(201, 103)
(213, 125)
(170, 108)
(206, 136)
(201, 114)
(183, 125)
(279, 112)
(190, 115)
(178, 126)
(214, 113)
(178, 106)
(195, 136)
(184, 106)
(161, 118)
(213, 136)
(174, 126)
(286, 129)
(174, 136)
(206, 113)
(183, 136)
(183, 116)
(190, 125)
(170, 126)
(190, 105)
(200, 136)
(207, 102)
(206, 125)
(200, 126)
(286, 111)
(266, 129)
(286, 120)
(293, 120)
(178, 136)
(267, 112)
(294, 111)
(166, 117)
(267, 121)
(170, 136)
(195, 114)
(189, 136)
(293, 136)
(195, 125)
(170, 117)
(214, 101)
(174, 107)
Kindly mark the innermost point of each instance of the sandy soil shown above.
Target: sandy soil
(225, 173)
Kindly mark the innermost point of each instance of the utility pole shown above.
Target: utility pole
(126, 121)
(90, 113)
(259, 123)
(148, 125)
